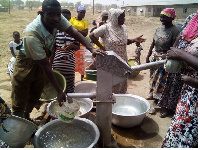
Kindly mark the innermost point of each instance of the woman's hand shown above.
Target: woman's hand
(139, 40)
(173, 53)
(67, 46)
(99, 52)
(147, 60)
(189, 81)
(61, 97)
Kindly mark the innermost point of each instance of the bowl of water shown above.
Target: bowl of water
(86, 105)
(129, 110)
(80, 133)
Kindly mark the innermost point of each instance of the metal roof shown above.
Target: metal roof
(169, 2)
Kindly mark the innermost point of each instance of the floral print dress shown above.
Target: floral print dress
(183, 131)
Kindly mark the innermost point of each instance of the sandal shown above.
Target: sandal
(152, 111)
(165, 113)
(150, 97)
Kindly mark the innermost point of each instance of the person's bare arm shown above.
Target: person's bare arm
(79, 37)
(193, 82)
(46, 67)
(176, 41)
(12, 51)
(136, 40)
(96, 41)
(52, 55)
(150, 51)
(179, 54)
(84, 32)
(71, 46)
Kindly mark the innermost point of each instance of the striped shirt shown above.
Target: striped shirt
(64, 61)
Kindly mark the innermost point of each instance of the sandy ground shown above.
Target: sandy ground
(150, 133)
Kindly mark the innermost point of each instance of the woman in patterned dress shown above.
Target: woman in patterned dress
(174, 84)
(82, 26)
(114, 37)
(183, 131)
(163, 39)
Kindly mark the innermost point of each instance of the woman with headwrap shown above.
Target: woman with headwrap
(114, 37)
(163, 39)
(183, 131)
(82, 26)
(174, 84)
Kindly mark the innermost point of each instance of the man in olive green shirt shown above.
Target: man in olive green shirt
(32, 61)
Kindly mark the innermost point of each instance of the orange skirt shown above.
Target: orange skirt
(80, 60)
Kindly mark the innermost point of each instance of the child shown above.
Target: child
(63, 55)
(13, 44)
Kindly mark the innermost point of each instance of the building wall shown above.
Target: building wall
(141, 10)
(182, 11)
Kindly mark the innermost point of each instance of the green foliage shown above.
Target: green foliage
(16, 2)
(98, 6)
(77, 4)
(4, 3)
(34, 3)
(113, 6)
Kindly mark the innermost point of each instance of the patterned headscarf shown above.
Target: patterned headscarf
(113, 16)
(116, 31)
(190, 32)
(79, 8)
(169, 12)
(104, 13)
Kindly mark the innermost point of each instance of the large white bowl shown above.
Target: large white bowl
(85, 87)
(80, 133)
(129, 110)
(20, 131)
(86, 105)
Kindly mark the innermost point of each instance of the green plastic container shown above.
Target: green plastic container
(49, 92)
(91, 75)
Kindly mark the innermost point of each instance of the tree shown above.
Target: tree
(32, 4)
(113, 6)
(77, 4)
(4, 3)
(98, 6)
(17, 2)
(65, 4)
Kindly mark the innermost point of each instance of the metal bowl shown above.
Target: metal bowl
(20, 131)
(80, 133)
(86, 105)
(85, 87)
(129, 110)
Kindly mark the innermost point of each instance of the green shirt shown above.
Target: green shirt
(33, 48)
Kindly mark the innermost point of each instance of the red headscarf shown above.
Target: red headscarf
(190, 32)
(169, 12)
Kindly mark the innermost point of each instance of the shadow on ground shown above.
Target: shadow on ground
(144, 135)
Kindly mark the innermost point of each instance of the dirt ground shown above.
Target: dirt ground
(150, 133)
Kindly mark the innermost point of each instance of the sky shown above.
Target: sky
(108, 2)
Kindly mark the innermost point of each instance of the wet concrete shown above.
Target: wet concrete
(148, 134)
